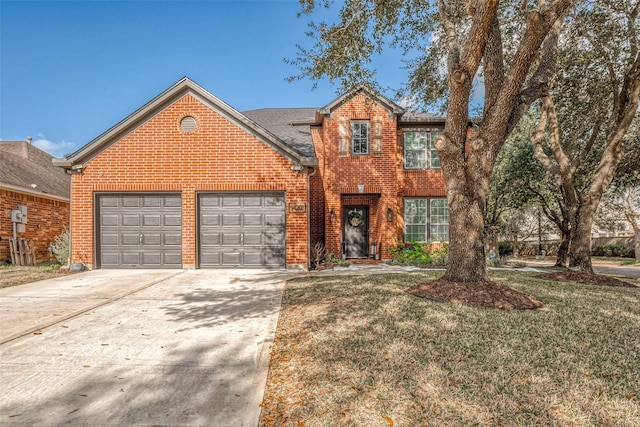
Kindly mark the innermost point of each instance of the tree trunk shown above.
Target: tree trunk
(466, 239)
(636, 239)
(580, 249)
(563, 249)
(516, 251)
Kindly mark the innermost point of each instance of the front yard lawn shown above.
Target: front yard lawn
(12, 275)
(360, 351)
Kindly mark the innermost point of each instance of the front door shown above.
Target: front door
(356, 231)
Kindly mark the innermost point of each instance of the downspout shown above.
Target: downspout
(309, 246)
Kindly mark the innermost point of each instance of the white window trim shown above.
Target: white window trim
(353, 137)
(428, 149)
(428, 224)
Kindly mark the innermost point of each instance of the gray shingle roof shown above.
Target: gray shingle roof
(416, 117)
(22, 164)
(277, 121)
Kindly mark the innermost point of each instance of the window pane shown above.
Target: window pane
(434, 156)
(360, 137)
(439, 226)
(415, 150)
(415, 220)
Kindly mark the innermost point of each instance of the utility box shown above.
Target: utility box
(19, 215)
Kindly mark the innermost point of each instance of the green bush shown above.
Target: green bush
(505, 248)
(60, 247)
(419, 254)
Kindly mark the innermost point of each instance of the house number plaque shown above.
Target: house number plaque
(297, 207)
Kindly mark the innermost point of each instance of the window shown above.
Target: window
(420, 151)
(360, 137)
(426, 220)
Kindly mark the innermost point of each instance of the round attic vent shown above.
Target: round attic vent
(188, 124)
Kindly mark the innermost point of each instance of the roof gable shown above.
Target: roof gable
(393, 108)
(183, 87)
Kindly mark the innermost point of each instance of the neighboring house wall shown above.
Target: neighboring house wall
(159, 157)
(47, 219)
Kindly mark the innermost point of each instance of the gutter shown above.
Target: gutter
(9, 187)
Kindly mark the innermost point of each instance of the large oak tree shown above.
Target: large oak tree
(511, 44)
(586, 116)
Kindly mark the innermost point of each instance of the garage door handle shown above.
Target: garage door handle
(140, 239)
(241, 239)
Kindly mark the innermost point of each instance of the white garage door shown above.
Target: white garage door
(241, 230)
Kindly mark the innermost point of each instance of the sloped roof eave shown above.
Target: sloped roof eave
(183, 87)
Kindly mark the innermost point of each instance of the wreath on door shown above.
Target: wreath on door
(355, 218)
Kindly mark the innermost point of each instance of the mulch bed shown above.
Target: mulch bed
(475, 294)
(585, 278)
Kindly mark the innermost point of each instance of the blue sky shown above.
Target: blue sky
(69, 70)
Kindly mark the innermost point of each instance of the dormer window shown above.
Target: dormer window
(360, 137)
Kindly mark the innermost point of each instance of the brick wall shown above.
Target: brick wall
(385, 180)
(47, 219)
(159, 156)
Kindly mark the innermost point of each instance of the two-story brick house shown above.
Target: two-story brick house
(186, 181)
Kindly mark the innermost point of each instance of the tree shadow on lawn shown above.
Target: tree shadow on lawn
(361, 351)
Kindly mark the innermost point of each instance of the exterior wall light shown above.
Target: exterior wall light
(389, 214)
(332, 215)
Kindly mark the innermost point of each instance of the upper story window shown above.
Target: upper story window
(360, 137)
(420, 151)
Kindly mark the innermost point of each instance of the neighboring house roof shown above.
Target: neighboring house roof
(183, 87)
(27, 169)
(278, 121)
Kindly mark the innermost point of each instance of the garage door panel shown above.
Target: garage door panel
(252, 220)
(172, 239)
(231, 219)
(210, 221)
(128, 239)
(253, 239)
(149, 220)
(109, 220)
(241, 229)
(110, 239)
(130, 220)
(252, 200)
(273, 259)
(130, 201)
(140, 230)
(273, 220)
(151, 239)
(172, 220)
(230, 258)
(231, 201)
(231, 239)
(130, 258)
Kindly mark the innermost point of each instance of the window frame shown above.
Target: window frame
(366, 140)
(429, 228)
(429, 149)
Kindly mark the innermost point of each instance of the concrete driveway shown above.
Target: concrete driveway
(143, 347)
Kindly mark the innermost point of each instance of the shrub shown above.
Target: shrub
(60, 247)
(419, 254)
(505, 248)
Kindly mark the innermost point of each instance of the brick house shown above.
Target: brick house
(186, 181)
(29, 179)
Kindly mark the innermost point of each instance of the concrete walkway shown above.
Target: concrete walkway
(145, 347)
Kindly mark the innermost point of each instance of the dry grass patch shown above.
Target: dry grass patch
(12, 275)
(359, 351)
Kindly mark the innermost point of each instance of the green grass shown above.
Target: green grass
(358, 351)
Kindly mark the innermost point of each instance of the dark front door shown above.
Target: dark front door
(356, 231)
